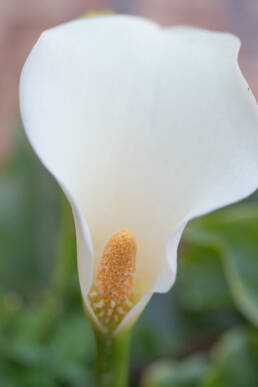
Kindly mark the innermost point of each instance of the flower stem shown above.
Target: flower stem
(112, 353)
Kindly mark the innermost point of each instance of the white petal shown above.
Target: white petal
(144, 127)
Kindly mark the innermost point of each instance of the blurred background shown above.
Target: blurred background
(204, 332)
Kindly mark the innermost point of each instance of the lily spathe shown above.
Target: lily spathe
(144, 128)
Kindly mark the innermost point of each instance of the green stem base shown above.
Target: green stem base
(112, 353)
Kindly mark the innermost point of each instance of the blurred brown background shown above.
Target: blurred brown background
(21, 22)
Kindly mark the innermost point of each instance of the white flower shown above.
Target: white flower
(144, 128)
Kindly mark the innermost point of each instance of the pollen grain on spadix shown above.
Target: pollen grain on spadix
(112, 290)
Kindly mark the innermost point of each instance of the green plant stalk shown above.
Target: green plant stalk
(112, 354)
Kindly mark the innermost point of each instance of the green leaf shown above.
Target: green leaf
(201, 284)
(234, 361)
(13, 376)
(186, 373)
(233, 233)
(71, 351)
(64, 355)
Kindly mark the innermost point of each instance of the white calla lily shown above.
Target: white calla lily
(144, 128)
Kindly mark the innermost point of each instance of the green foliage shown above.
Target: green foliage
(202, 334)
(234, 361)
(217, 289)
(29, 208)
(202, 284)
(186, 373)
(233, 233)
